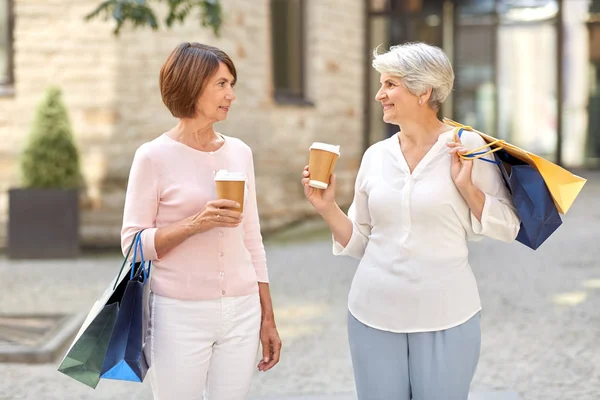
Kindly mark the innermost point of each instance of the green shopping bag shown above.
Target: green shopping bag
(83, 361)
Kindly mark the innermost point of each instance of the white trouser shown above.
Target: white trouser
(203, 346)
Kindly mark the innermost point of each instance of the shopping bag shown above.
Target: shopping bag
(125, 357)
(531, 198)
(564, 187)
(84, 359)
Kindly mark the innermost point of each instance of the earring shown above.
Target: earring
(420, 102)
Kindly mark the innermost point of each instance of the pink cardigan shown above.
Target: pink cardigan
(170, 181)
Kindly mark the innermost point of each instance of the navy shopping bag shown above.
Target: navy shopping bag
(531, 197)
(124, 357)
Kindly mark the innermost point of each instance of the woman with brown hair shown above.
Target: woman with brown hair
(210, 304)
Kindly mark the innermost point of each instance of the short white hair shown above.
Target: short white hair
(420, 66)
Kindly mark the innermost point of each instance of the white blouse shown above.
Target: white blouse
(410, 233)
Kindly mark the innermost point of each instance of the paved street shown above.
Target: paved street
(541, 325)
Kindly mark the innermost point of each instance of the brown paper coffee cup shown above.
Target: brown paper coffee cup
(322, 163)
(231, 186)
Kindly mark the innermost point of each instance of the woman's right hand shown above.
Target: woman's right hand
(217, 214)
(321, 199)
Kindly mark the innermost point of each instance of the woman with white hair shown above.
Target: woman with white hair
(414, 308)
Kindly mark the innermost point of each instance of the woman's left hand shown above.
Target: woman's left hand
(271, 345)
(460, 169)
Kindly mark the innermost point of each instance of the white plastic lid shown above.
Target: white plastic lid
(224, 175)
(326, 147)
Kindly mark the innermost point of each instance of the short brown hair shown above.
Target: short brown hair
(183, 76)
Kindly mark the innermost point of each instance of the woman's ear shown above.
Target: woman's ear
(424, 98)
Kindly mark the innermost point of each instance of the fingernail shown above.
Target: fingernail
(266, 359)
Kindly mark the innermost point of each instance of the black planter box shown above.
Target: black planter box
(43, 223)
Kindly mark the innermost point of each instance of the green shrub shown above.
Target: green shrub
(50, 159)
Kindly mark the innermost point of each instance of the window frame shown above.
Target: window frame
(7, 87)
(285, 96)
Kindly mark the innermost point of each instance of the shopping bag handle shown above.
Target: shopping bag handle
(142, 268)
(478, 153)
(133, 242)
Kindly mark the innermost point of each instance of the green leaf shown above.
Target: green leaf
(212, 15)
(140, 14)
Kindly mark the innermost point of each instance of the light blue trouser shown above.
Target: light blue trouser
(426, 365)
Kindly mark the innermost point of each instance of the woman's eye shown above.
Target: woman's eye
(390, 84)
(221, 84)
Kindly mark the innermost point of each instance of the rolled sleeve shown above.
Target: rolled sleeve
(355, 247)
(148, 244)
(148, 248)
(262, 274)
(498, 221)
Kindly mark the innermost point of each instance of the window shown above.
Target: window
(6, 43)
(287, 36)
(475, 49)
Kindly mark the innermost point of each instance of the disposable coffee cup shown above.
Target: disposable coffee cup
(230, 186)
(322, 163)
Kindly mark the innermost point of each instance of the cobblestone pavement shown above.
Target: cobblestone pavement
(541, 325)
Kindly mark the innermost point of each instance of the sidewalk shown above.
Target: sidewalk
(540, 319)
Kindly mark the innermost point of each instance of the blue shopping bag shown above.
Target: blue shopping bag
(531, 197)
(124, 358)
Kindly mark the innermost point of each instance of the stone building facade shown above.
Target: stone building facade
(110, 86)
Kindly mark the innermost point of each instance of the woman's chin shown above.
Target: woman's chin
(387, 120)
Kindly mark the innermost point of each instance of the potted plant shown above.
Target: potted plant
(44, 213)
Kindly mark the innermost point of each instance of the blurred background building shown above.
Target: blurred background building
(526, 70)
(513, 60)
